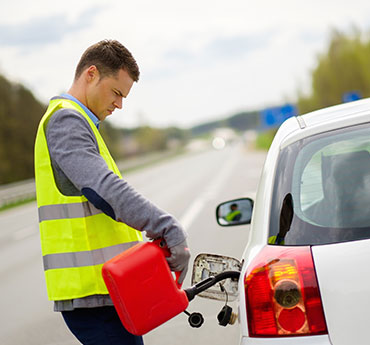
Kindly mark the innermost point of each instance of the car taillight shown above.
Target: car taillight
(282, 294)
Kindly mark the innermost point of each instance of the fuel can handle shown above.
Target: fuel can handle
(161, 243)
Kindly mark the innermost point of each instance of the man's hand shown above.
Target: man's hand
(179, 259)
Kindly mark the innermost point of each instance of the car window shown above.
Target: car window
(322, 187)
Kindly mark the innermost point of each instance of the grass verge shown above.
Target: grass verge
(264, 139)
(18, 203)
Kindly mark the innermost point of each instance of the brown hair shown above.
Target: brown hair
(109, 56)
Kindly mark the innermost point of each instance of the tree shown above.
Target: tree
(344, 67)
(20, 114)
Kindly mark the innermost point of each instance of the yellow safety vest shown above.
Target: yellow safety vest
(76, 237)
(230, 217)
(272, 240)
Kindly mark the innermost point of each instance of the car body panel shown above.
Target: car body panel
(336, 113)
(343, 274)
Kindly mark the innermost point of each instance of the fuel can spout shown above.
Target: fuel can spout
(194, 290)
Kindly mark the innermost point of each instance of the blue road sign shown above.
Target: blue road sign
(275, 116)
(351, 96)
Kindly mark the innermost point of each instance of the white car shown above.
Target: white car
(305, 271)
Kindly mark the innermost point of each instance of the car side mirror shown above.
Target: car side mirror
(235, 212)
(210, 265)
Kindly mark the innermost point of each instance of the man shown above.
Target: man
(87, 212)
(234, 215)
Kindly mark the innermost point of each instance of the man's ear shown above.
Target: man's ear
(92, 73)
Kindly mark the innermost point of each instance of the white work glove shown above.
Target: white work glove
(179, 259)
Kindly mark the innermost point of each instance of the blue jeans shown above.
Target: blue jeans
(99, 326)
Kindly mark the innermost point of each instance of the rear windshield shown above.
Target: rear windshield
(322, 189)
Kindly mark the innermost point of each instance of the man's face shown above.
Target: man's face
(104, 95)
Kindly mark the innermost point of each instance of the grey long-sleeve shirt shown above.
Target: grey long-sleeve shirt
(79, 169)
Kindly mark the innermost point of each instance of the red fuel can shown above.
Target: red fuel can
(142, 287)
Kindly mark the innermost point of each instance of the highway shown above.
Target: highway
(189, 187)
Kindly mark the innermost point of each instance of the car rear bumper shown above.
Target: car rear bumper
(306, 340)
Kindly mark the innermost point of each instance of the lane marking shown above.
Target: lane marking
(192, 212)
(209, 192)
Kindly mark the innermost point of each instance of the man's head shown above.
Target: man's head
(233, 207)
(104, 76)
(109, 56)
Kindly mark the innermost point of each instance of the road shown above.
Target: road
(189, 187)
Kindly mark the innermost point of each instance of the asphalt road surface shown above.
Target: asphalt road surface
(189, 187)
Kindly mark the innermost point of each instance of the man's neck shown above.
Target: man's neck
(76, 92)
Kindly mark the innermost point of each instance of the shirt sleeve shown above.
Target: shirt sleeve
(73, 150)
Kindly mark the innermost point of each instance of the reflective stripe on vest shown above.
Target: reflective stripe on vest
(85, 258)
(62, 211)
(76, 237)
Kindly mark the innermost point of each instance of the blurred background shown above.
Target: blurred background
(217, 80)
(204, 65)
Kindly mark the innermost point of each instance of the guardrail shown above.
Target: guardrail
(18, 191)
(25, 190)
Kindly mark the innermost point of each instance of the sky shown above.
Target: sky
(200, 60)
